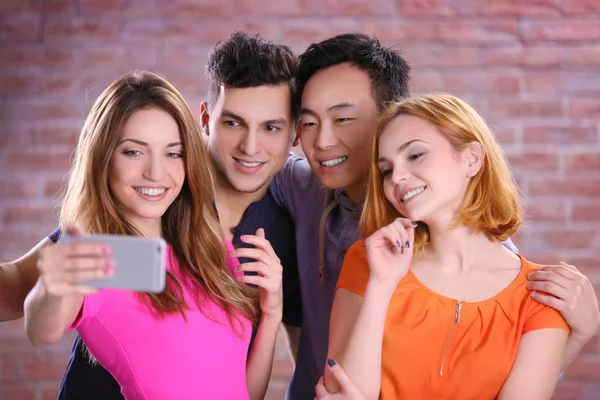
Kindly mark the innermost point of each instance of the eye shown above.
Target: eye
(414, 157)
(271, 128)
(386, 173)
(342, 119)
(132, 153)
(308, 124)
(174, 155)
(231, 123)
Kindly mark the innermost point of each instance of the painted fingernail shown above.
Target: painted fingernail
(330, 362)
(398, 243)
(414, 223)
(106, 250)
(407, 244)
(243, 238)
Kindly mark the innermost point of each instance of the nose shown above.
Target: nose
(399, 175)
(155, 170)
(249, 144)
(326, 137)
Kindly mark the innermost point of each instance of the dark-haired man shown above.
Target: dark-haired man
(342, 85)
(249, 122)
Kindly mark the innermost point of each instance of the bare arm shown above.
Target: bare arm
(356, 337)
(535, 372)
(17, 278)
(260, 360)
(293, 340)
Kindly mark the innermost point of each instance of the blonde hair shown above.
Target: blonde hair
(491, 202)
(189, 225)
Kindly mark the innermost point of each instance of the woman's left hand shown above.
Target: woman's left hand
(269, 272)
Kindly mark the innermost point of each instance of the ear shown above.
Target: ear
(474, 155)
(297, 138)
(204, 118)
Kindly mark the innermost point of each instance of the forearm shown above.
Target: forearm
(260, 360)
(12, 293)
(47, 316)
(574, 345)
(361, 357)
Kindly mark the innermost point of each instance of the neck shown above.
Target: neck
(458, 249)
(357, 192)
(150, 228)
(232, 204)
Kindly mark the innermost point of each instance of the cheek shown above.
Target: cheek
(307, 140)
(388, 191)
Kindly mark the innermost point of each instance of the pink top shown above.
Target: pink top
(153, 358)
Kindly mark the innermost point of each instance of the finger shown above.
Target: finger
(341, 377)
(258, 281)
(562, 271)
(84, 249)
(549, 301)
(548, 276)
(260, 243)
(77, 276)
(258, 267)
(73, 230)
(550, 288)
(392, 239)
(320, 389)
(399, 226)
(409, 226)
(569, 266)
(87, 264)
(63, 289)
(256, 254)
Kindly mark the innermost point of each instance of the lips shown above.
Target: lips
(410, 193)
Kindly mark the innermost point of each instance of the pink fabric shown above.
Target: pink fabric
(153, 358)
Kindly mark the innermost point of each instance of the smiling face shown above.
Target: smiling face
(146, 169)
(424, 177)
(338, 120)
(250, 132)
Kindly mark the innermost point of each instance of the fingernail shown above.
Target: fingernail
(414, 223)
(330, 362)
(529, 275)
(529, 285)
(407, 244)
(106, 250)
(108, 264)
(398, 243)
(243, 238)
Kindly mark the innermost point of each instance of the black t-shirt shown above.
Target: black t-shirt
(84, 380)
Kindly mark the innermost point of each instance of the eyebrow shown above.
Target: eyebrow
(146, 144)
(274, 121)
(340, 106)
(400, 149)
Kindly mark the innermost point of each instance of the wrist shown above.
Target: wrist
(273, 317)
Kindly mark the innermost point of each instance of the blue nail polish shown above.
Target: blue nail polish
(398, 243)
(330, 362)
(407, 244)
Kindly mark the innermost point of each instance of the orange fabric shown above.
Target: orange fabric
(481, 347)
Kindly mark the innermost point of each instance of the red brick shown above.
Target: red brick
(44, 370)
(193, 55)
(114, 57)
(543, 82)
(355, 7)
(425, 81)
(58, 134)
(16, 7)
(556, 134)
(562, 82)
(31, 161)
(29, 56)
(57, 6)
(580, 6)
(24, 214)
(80, 30)
(504, 134)
(16, 393)
(529, 57)
(569, 239)
(438, 8)
(465, 31)
(395, 31)
(187, 82)
(212, 31)
(525, 108)
(481, 82)
(583, 162)
(587, 266)
(583, 56)
(312, 30)
(50, 393)
(18, 85)
(534, 161)
(44, 108)
(566, 390)
(54, 187)
(20, 29)
(520, 7)
(171, 8)
(15, 188)
(546, 211)
(161, 31)
(565, 187)
(585, 367)
(571, 30)
(586, 212)
(585, 107)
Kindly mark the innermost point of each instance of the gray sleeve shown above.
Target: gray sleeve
(293, 184)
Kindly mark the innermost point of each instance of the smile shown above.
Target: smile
(247, 164)
(412, 194)
(151, 191)
(333, 162)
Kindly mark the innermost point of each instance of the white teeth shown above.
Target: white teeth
(247, 164)
(412, 193)
(334, 162)
(151, 191)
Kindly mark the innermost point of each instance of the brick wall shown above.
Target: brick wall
(531, 68)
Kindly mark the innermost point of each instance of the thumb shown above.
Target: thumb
(74, 230)
(339, 374)
(260, 233)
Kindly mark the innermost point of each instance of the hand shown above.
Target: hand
(390, 250)
(64, 266)
(568, 291)
(348, 390)
(269, 269)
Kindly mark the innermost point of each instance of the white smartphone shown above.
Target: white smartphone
(139, 262)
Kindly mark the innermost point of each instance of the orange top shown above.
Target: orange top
(435, 347)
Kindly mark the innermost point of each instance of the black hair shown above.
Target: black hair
(387, 70)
